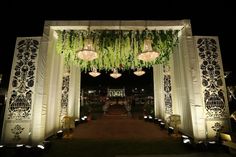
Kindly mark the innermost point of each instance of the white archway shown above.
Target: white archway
(39, 94)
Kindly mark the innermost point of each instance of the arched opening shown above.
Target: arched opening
(128, 91)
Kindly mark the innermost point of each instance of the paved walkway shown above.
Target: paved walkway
(123, 128)
(120, 127)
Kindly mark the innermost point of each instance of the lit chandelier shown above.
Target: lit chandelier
(148, 53)
(139, 72)
(115, 74)
(88, 53)
(94, 72)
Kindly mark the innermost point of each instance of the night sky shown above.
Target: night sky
(27, 19)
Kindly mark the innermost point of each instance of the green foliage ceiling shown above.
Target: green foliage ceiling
(116, 48)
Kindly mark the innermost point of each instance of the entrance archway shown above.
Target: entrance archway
(190, 85)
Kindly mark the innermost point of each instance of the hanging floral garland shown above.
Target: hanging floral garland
(116, 48)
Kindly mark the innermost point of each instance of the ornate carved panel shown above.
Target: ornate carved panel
(167, 90)
(211, 77)
(217, 128)
(17, 130)
(65, 95)
(214, 127)
(23, 80)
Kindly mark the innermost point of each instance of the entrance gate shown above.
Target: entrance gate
(40, 91)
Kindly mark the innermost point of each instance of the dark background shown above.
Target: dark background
(211, 18)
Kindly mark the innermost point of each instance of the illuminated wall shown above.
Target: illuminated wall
(17, 127)
(193, 87)
(39, 93)
(213, 88)
(162, 91)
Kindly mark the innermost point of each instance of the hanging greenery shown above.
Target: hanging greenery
(116, 48)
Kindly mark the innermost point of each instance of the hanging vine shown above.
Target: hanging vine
(116, 48)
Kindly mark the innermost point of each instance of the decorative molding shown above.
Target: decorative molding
(217, 128)
(23, 80)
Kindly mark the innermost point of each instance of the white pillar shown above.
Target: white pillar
(39, 110)
(187, 84)
(77, 92)
(71, 92)
(53, 86)
(181, 81)
(158, 83)
(74, 92)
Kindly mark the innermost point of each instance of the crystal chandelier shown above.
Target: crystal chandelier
(94, 72)
(88, 53)
(148, 53)
(139, 72)
(115, 74)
